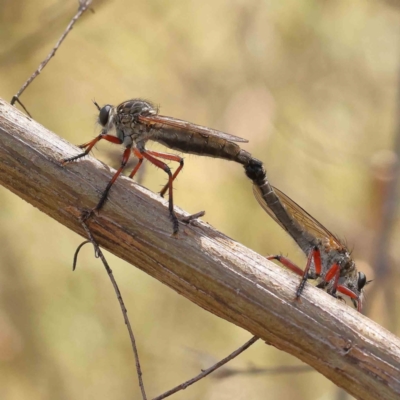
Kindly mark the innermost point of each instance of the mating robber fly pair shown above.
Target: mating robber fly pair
(136, 121)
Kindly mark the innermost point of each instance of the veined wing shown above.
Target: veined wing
(301, 216)
(188, 127)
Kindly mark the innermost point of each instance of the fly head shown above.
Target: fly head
(104, 115)
(361, 281)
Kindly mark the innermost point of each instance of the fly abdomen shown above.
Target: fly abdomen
(218, 148)
(270, 202)
(201, 145)
(170, 138)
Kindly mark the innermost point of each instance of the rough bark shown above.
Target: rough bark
(202, 264)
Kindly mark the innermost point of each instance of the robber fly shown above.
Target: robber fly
(328, 260)
(136, 121)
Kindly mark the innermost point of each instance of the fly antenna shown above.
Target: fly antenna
(95, 103)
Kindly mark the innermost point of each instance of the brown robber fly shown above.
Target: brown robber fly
(328, 260)
(136, 121)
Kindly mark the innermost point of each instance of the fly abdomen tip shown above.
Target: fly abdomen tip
(255, 170)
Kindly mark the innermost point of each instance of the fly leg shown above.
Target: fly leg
(148, 155)
(353, 296)
(172, 157)
(314, 255)
(334, 273)
(125, 158)
(89, 145)
(138, 154)
(287, 263)
(333, 276)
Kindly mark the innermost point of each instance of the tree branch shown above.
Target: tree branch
(200, 263)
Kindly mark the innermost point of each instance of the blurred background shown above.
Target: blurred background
(313, 86)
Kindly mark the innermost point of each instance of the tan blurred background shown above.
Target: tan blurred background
(313, 85)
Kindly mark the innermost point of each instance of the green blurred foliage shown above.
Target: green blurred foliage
(311, 84)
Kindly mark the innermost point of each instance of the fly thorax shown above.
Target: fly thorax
(330, 257)
(347, 266)
(120, 134)
(125, 121)
(128, 113)
(136, 107)
(128, 141)
(327, 259)
(350, 281)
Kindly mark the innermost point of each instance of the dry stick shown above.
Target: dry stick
(294, 369)
(100, 254)
(78, 249)
(193, 217)
(208, 371)
(202, 264)
(83, 6)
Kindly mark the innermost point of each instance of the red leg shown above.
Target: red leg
(317, 261)
(89, 145)
(103, 198)
(346, 291)
(333, 272)
(112, 139)
(148, 156)
(287, 263)
(313, 255)
(109, 138)
(172, 157)
(137, 153)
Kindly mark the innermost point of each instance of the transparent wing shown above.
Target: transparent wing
(303, 218)
(258, 195)
(188, 127)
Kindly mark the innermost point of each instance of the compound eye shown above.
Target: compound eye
(104, 114)
(362, 280)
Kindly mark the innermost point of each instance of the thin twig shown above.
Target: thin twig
(208, 371)
(192, 217)
(16, 99)
(77, 253)
(294, 369)
(100, 254)
(83, 6)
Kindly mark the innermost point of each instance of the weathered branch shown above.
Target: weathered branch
(202, 264)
